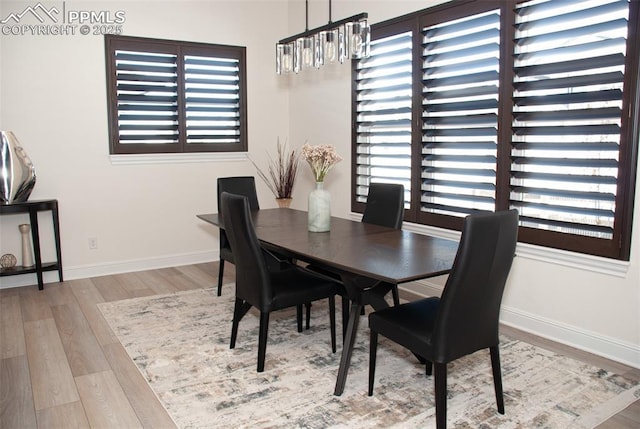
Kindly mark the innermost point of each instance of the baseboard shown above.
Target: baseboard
(591, 342)
(117, 267)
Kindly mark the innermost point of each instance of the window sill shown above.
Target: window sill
(611, 267)
(176, 158)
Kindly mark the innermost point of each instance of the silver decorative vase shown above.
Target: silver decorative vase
(17, 175)
(27, 251)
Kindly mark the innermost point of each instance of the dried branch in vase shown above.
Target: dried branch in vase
(282, 171)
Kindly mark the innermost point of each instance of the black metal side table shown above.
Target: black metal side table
(33, 207)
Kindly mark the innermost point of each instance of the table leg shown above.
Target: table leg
(373, 295)
(345, 315)
(35, 238)
(347, 347)
(375, 298)
(56, 233)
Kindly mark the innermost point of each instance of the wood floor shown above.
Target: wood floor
(62, 367)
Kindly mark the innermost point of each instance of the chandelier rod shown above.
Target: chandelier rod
(328, 26)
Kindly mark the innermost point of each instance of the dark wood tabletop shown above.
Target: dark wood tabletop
(366, 257)
(367, 250)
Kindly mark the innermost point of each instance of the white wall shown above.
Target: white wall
(52, 95)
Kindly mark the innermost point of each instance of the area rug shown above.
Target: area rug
(180, 343)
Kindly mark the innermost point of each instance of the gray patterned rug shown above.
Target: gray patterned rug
(180, 343)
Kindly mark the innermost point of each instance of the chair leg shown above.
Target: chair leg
(332, 316)
(262, 339)
(237, 310)
(240, 309)
(220, 274)
(441, 394)
(396, 295)
(299, 316)
(308, 305)
(373, 348)
(429, 367)
(497, 377)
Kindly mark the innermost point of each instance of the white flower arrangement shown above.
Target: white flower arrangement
(321, 158)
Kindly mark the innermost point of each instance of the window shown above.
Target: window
(460, 75)
(384, 115)
(490, 105)
(171, 97)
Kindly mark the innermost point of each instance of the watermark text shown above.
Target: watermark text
(59, 19)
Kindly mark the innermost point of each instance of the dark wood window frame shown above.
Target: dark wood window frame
(196, 102)
(618, 246)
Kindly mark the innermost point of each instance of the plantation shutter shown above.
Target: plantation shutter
(569, 71)
(383, 115)
(168, 96)
(147, 97)
(461, 60)
(212, 99)
(531, 106)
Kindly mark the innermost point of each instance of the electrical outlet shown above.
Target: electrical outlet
(93, 243)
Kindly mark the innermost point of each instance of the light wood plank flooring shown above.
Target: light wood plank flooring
(62, 367)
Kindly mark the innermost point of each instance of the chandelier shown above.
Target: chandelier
(332, 43)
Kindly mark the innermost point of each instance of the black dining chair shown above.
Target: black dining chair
(267, 290)
(385, 207)
(240, 185)
(465, 318)
(245, 185)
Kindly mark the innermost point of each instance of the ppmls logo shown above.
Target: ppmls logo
(39, 11)
(40, 20)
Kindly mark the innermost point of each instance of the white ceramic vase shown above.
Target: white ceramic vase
(319, 209)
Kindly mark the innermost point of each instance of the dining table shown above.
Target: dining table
(366, 257)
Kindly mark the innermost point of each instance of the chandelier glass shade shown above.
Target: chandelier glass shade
(332, 43)
(332, 49)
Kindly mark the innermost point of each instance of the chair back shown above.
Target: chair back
(240, 185)
(469, 308)
(253, 283)
(385, 205)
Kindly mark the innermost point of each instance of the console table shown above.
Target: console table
(33, 207)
